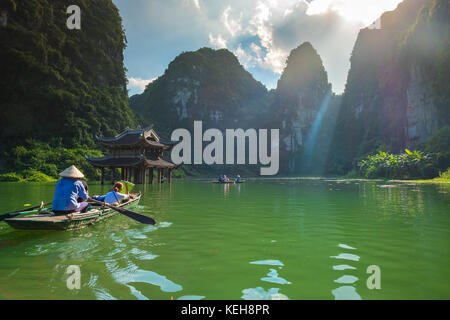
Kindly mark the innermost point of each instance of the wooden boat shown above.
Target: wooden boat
(49, 221)
(228, 182)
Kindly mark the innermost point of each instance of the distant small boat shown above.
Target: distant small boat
(227, 182)
(50, 221)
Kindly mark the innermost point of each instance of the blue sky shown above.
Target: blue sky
(261, 33)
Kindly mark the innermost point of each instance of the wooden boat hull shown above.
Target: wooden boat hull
(229, 182)
(78, 221)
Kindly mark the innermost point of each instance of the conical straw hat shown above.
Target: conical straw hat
(72, 172)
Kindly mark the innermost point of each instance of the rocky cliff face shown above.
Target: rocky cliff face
(302, 97)
(208, 85)
(421, 113)
(426, 50)
(394, 97)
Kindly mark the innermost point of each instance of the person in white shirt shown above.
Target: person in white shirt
(114, 197)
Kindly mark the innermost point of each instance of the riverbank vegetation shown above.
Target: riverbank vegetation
(40, 162)
(408, 165)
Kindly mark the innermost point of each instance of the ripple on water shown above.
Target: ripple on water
(135, 234)
(344, 246)
(346, 293)
(259, 293)
(347, 279)
(142, 254)
(273, 277)
(191, 297)
(102, 294)
(132, 274)
(343, 267)
(346, 256)
(268, 262)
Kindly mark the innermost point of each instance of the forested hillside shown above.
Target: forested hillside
(59, 87)
(208, 85)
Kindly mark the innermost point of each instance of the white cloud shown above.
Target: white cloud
(261, 33)
(258, 51)
(364, 12)
(244, 58)
(261, 26)
(218, 42)
(233, 26)
(138, 83)
(287, 11)
(196, 3)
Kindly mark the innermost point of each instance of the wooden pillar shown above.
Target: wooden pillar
(135, 175)
(169, 175)
(159, 175)
(150, 176)
(112, 175)
(144, 174)
(103, 176)
(123, 173)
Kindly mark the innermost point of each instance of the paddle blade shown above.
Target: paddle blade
(130, 214)
(138, 217)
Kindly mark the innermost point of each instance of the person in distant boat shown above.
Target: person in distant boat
(114, 197)
(221, 178)
(69, 189)
(238, 179)
(226, 179)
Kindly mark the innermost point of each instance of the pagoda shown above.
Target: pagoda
(136, 152)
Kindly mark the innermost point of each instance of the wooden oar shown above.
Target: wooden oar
(130, 214)
(16, 213)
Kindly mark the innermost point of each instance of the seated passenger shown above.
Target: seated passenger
(69, 189)
(114, 197)
(238, 179)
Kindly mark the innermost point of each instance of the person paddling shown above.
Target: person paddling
(69, 189)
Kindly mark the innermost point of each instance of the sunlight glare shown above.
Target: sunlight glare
(359, 11)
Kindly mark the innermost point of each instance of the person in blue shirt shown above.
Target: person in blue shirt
(69, 190)
(238, 179)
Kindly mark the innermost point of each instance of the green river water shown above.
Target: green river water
(264, 239)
